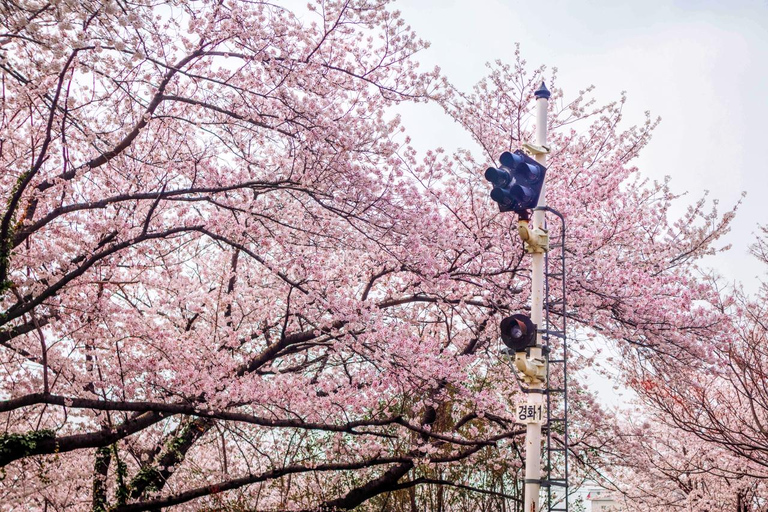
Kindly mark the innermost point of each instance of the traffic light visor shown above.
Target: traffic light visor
(499, 177)
(511, 160)
(522, 194)
(518, 332)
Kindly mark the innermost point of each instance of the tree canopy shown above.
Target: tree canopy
(227, 279)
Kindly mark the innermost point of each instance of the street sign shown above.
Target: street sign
(527, 412)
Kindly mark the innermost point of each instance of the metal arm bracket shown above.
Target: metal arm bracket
(531, 370)
(536, 239)
(533, 149)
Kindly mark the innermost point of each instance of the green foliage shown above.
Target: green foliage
(147, 477)
(26, 444)
(173, 447)
(103, 455)
(6, 244)
(121, 472)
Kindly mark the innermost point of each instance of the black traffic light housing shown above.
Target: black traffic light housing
(518, 332)
(517, 183)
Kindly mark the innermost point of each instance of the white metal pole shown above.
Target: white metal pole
(536, 396)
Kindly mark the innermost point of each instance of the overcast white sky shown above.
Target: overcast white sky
(700, 65)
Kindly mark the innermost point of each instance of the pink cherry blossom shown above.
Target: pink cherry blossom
(227, 279)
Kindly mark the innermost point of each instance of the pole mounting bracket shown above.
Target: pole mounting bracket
(534, 149)
(536, 240)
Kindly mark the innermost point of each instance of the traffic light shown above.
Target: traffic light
(518, 332)
(517, 183)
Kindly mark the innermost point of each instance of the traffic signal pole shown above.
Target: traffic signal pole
(519, 187)
(536, 386)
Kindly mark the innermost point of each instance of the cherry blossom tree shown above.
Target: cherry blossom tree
(710, 444)
(656, 466)
(228, 281)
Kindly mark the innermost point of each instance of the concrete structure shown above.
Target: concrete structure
(594, 499)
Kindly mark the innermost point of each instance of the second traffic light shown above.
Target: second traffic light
(517, 183)
(518, 332)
